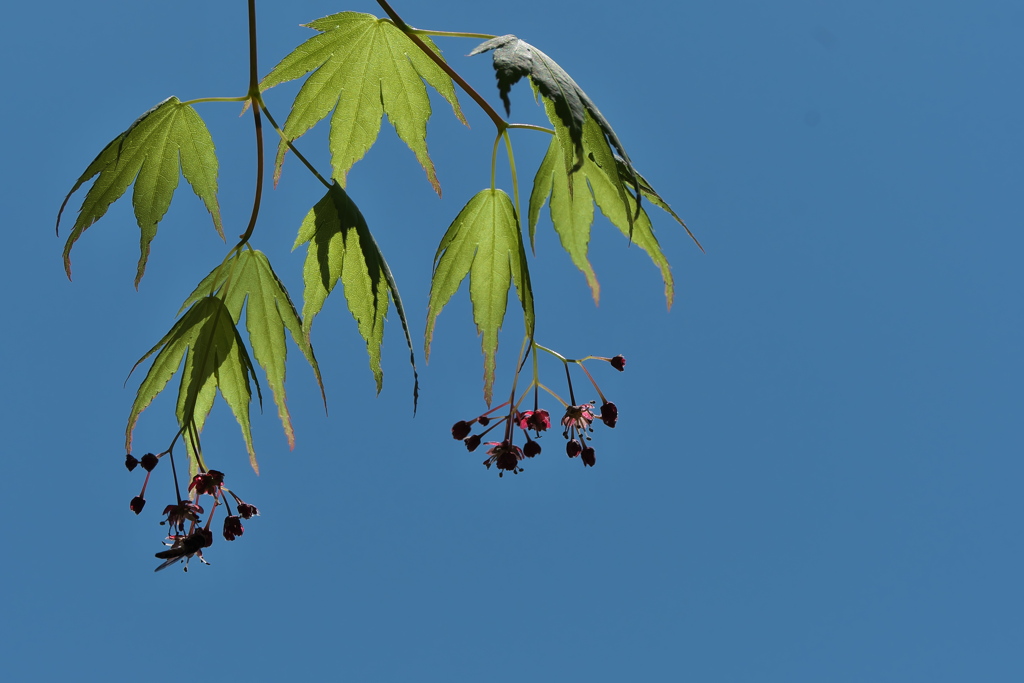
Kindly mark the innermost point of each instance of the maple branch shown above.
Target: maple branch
(454, 75)
(254, 97)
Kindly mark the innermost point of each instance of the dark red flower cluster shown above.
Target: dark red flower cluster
(577, 423)
(187, 535)
(504, 454)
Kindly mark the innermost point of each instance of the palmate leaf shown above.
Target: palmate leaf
(167, 141)
(342, 248)
(215, 360)
(254, 287)
(363, 67)
(484, 242)
(605, 179)
(647, 191)
(572, 212)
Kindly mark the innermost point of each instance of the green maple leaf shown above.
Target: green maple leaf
(607, 179)
(246, 281)
(167, 141)
(363, 67)
(483, 242)
(215, 359)
(341, 248)
(572, 212)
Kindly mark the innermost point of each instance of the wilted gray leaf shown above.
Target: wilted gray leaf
(515, 58)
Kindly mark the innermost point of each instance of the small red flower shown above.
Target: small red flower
(505, 455)
(246, 511)
(531, 449)
(537, 420)
(208, 482)
(619, 362)
(472, 442)
(185, 511)
(138, 502)
(233, 527)
(149, 461)
(578, 418)
(588, 457)
(131, 462)
(573, 448)
(184, 547)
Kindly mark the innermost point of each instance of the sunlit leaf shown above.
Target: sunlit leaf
(341, 247)
(247, 282)
(572, 212)
(651, 194)
(215, 359)
(630, 218)
(363, 67)
(602, 178)
(167, 141)
(485, 243)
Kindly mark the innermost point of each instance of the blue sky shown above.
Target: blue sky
(816, 472)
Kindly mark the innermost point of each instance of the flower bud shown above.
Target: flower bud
(531, 448)
(609, 414)
(460, 430)
(472, 442)
(573, 448)
(149, 461)
(138, 502)
(619, 362)
(131, 462)
(588, 457)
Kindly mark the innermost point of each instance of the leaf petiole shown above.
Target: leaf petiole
(291, 146)
(553, 353)
(553, 394)
(450, 34)
(511, 164)
(530, 126)
(512, 168)
(243, 98)
(494, 157)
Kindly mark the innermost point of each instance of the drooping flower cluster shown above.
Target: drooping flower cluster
(187, 535)
(577, 423)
